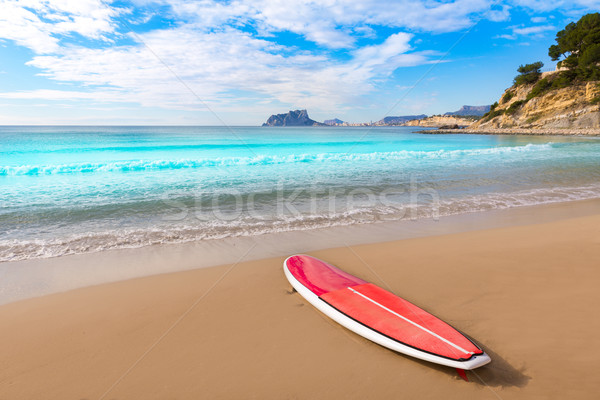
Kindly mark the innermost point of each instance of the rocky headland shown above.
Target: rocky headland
(292, 118)
(564, 101)
(569, 108)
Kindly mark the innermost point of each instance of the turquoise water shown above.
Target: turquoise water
(70, 190)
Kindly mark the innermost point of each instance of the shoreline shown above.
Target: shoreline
(593, 132)
(43, 276)
(187, 334)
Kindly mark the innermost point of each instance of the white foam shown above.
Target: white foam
(147, 165)
(14, 249)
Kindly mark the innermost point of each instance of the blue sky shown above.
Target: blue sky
(236, 62)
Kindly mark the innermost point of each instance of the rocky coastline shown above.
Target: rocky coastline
(517, 131)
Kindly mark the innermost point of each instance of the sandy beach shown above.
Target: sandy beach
(528, 294)
(160, 162)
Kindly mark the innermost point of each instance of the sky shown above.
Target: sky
(184, 62)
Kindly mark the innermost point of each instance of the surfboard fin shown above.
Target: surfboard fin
(462, 373)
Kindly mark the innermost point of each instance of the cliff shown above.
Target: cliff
(437, 121)
(572, 107)
(292, 118)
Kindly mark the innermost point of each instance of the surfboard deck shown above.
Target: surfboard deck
(381, 316)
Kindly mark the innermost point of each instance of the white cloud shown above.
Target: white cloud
(215, 64)
(25, 28)
(210, 53)
(545, 5)
(499, 13)
(331, 23)
(526, 31)
(37, 24)
(225, 53)
(385, 58)
(365, 31)
(336, 24)
(532, 30)
(48, 95)
(505, 36)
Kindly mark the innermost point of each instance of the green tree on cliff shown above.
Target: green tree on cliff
(529, 73)
(579, 45)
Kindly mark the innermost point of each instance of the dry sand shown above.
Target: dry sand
(528, 294)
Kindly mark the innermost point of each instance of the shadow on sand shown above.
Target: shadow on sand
(498, 373)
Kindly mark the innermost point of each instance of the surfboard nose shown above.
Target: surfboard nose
(478, 361)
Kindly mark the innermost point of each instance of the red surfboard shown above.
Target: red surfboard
(381, 316)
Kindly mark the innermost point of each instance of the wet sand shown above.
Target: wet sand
(527, 294)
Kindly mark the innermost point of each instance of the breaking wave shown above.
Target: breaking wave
(193, 230)
(147, 165)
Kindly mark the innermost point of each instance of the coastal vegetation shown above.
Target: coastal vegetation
(528, 73)
(579, 46)
(507, 96)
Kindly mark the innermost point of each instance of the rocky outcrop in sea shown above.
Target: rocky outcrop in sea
(292, 118)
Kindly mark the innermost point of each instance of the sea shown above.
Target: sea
(80, 189)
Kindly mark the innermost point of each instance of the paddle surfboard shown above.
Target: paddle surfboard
(381, 316)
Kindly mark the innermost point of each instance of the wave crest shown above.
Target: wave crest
(146, 165)
(76, 243)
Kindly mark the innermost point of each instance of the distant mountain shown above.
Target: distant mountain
(334, 121)
(292, 118)
(476, 111)
(399, 120)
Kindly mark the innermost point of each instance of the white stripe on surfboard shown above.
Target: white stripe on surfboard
(412, 322)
